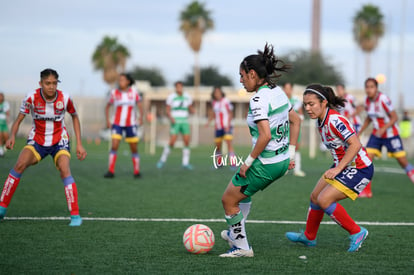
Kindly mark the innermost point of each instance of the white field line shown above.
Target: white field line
(197, 220)
(389, 170)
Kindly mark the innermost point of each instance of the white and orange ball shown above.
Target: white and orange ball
(198, 239)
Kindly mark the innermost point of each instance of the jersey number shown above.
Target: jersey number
(282, 131)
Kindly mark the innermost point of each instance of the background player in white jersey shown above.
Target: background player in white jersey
(274, 127)
(346, 178)
(125, 100)
(48, 136)
(4, 122)
(222, 115)
(297, 106)
(351, 109)
(179, 107)
(381, 113)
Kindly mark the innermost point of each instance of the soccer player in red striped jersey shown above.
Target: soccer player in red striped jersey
(381, 113)
(48, 136)
(351, 171)
(125, 99)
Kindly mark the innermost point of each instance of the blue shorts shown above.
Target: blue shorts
(130, 132)
(40, 152)
(394, 146)
(351, 181)
(223, 134)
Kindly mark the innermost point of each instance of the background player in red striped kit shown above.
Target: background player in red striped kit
(381, 113)
(351, 171)
(125, 99)
(48, 136)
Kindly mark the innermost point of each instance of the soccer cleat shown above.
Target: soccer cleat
(300, 238)
(299, 173)
(109, 175)
(236, 252)
(188, 167)
(225, 235)
(75, 220)
(137, 176)
(357, 239)
(365, 194)
(410, 174)
(3, 211)
(160, 164)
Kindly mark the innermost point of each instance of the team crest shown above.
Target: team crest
(59, 105)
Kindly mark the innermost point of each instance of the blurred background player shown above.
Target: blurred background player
(222, 115)
(351, 109)
(125, 99)
(351, 171)
(179, 106)
(297, 106)
(381, 113)
(274, 127)
(48, 136)
(4, 122)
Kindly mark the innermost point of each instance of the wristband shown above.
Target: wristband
(292, 152)
(249, 160)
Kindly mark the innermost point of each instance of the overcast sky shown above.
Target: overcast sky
(63, 35)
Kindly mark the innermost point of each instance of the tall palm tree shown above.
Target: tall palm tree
(195, 21)
(368, 29)
(110, 57)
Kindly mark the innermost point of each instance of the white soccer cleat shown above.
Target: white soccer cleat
(225, 236)
(299, 173)
(236, 252)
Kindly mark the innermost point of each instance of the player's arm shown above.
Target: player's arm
(354, 145)
(366, 123)
(191, 109)
(294, 129)
(261, 143)
(14, 130)
(168, 112)
(108, 121)
(211, 117)
(141, 112)
(80, 151)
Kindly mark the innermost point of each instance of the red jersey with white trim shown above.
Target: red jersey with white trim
(222, 109)
(335, 130)
(349, 110)
(48, 127)
(378, 110)
(124, 103)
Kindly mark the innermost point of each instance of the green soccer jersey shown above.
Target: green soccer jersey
(179, 106)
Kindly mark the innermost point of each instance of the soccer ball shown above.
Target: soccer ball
(198, 239)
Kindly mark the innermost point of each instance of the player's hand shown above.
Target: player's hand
(80, 152)
(10, 143)
(243, 170)
(140, 121)
(292, 164)
(108, 125)
(172, 121)
(331, 173)
(381, 131)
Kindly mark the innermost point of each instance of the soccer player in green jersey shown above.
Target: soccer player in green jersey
(4, 120)
(179, 107)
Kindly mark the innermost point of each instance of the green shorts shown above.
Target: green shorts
(259, 176)
(4, 128)
(180, 128)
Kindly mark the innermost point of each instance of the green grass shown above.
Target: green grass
(138, 247)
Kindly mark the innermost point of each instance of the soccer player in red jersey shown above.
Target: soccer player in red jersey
(381, 113)
(351, 171)
(48, 136)
(125, 99)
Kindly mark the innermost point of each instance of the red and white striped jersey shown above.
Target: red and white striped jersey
(124, 103)
(349, 110)
(378, 110)
(222, 109)
(335, 130)
(48, 127)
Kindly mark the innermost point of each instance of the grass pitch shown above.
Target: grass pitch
(151, 242)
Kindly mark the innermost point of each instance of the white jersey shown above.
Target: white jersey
(179, 106)
(272, 105)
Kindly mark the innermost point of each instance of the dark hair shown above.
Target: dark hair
(340, 85)
(47, 72)
(178, 82)
(265, 64)
(325, 93)
(371, 79)
(130, 79)
(214, 89)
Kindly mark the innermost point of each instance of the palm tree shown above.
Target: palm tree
(110, 57)
(368, 29)
(195, 21)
